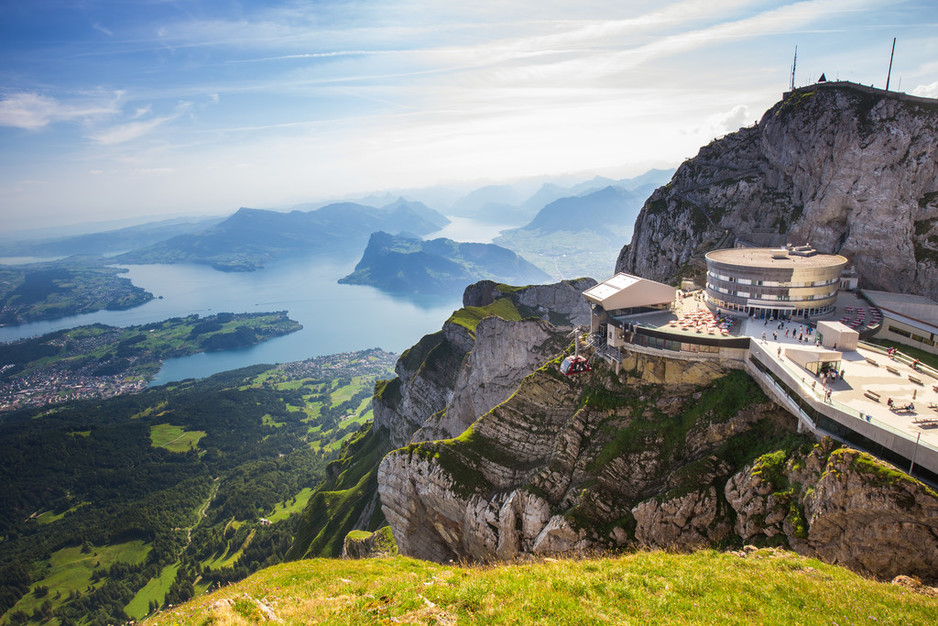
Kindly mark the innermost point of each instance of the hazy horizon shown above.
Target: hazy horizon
(119, 110)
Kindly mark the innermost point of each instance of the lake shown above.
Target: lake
(335, 318)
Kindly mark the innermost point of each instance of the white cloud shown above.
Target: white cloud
(927, 91)
(102, 29)
(33, 111)
(733, 120)
(123, 133)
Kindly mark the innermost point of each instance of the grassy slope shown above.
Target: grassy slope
(71, 569)
(338, 503)
(707, 587)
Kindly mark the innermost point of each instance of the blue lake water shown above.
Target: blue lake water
(335, 318)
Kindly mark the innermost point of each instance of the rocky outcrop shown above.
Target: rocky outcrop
(443, 383)
(560, 303)
(597, 462)
(562, 465)
(360, 544)
(842, 506)
(451, 377)
(850, 169)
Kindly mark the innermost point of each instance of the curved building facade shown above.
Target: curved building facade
(787, 282)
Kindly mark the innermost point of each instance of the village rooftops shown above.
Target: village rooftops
(774, 258)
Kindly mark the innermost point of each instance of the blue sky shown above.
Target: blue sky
(111, 109)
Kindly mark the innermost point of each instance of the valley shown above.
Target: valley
(170, 491)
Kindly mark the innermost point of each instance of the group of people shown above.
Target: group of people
(905, 407)
(803, 334)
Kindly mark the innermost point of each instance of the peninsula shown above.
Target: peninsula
(72, 286)
(100, 361)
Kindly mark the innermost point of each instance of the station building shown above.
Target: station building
(908, 319)
(617, 299)
(789, 282)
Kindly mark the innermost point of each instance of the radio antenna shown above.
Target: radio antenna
(889, 74)
(794, 63)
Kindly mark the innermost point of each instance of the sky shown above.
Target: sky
(115, 109)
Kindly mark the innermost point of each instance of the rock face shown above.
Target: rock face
(849, 169)
(364, 545)
(569, 465)
(566, 463)
(451, 377)
(443, 383)
(842, 506)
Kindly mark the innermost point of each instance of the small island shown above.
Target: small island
(100, 361)
(72, 286)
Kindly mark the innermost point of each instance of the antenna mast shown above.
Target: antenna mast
(794, 63)
(889, 74)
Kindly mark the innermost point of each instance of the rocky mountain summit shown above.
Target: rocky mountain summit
(481, 450)
(850, 169)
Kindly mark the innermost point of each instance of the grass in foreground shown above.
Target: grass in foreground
(707, 587)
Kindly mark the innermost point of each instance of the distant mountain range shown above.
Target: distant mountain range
(405, 264)
(253, 238)
(577, 236)
(515, 203)
(109, 241)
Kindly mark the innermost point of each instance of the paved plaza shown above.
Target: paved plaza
(868, 373)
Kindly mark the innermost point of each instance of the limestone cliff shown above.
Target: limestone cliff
(842, 506)
(443, 383)
(598, 461)
(850, 169)
(477, 360)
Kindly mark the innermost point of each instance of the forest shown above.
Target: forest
(114, 508)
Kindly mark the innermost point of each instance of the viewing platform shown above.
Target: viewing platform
(886, 404)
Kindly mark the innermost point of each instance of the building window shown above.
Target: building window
(900, 331)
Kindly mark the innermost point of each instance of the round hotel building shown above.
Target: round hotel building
(773, 282)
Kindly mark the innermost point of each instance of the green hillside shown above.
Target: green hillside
(407, 264)
(768, 586)
(76, 285)
(113, 508)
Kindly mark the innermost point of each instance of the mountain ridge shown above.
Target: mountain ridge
(251, 238)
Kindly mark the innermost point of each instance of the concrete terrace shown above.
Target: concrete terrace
(865, 370)
(858, 401)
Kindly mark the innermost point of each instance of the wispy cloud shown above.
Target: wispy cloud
(129, 131)
(32, 111)
(102, 29)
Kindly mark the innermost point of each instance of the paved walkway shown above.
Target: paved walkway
(861, 376)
